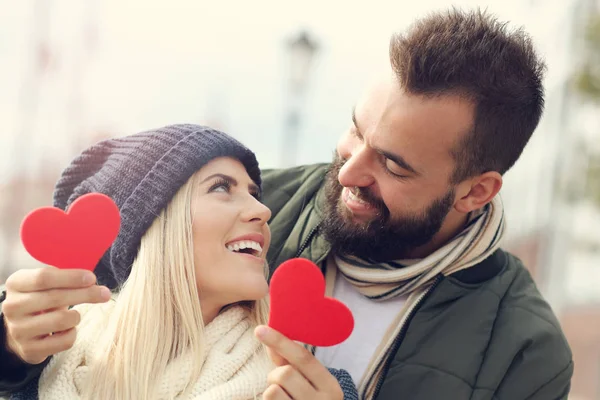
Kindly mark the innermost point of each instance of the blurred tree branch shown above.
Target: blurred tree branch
(587, 79)
(587, 85)
(592, 190)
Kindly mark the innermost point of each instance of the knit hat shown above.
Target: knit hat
(142, 173)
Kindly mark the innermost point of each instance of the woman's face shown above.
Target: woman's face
(231, 235)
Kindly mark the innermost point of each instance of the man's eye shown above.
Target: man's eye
(393, 169)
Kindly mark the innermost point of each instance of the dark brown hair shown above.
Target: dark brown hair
(473, 55)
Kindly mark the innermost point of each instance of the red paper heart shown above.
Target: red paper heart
(300, 310)
(74, 239)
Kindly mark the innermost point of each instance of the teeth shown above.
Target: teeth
(245, 244)
(353, 197)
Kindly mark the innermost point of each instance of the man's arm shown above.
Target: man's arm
(557, 388)
(287, 192)
(37, 302)
(542, 366)
(280, 185)
(15, 374)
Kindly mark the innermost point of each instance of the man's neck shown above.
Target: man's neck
(454, 224)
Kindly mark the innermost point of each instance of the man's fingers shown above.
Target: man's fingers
(18, 305)
(295, 354)
(41, 325)
(37, 304)
(293, 382)
(39, 279)
(36, 351)
(275, 392)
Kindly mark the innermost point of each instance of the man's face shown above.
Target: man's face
(389, 189)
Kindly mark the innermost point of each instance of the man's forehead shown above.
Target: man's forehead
(381, 81)
(386, 102)
(417, 127)
(377, 98)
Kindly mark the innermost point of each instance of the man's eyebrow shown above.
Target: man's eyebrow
(398, 159)
(357, 131)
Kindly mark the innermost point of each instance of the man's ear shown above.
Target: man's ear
(478, 191)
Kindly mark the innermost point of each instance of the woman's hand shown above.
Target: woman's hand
(37, 320)
(298, 375)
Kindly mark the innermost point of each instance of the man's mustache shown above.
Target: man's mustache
(363, 193)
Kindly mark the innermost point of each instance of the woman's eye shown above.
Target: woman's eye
(220, 186)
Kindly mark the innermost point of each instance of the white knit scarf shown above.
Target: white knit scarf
(234, 368)
(382, 281)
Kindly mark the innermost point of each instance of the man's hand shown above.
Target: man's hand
(299, 375)
(37, 320)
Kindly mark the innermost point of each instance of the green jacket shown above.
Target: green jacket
(484, 333)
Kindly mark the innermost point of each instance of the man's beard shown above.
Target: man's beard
(384, 238)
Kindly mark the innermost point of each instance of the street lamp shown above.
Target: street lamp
(301, 50)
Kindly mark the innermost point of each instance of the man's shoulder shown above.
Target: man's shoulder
(527, 338)
(522, 293)
(276, 177)
(527, 317)
(281, 185)
(509, 289)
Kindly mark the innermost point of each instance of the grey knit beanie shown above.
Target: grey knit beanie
(142, 173)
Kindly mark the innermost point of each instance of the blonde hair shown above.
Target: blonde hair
(157, 316)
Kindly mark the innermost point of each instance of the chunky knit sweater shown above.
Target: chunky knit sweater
(234, 368)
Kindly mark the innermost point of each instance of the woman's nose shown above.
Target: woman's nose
(257, 212)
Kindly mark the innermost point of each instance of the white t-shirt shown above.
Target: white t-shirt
(371, 321)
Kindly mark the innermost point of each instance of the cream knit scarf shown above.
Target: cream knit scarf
(382, 281)
(234, 368)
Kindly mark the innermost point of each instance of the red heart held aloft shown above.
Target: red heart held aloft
(74, 239)
(301, 311)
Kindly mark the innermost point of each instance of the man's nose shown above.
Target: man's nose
(356, 171)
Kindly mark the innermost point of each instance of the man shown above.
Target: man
(406, 222)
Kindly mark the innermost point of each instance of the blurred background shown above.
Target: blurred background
(282, 77)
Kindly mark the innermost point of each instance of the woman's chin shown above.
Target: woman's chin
(254, 289)
(262, 291)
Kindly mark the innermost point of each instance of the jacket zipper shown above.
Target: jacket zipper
(398, 341)
(312, 232)
(307, 240)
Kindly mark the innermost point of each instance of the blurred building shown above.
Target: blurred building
(26, 194)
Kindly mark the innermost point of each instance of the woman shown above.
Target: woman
(189, 272)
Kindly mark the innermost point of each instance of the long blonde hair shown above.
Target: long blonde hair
(156, 316)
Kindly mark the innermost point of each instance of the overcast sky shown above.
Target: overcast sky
(165, 62)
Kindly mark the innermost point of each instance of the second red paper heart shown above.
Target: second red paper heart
(301, 311)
